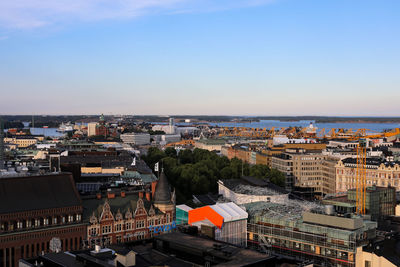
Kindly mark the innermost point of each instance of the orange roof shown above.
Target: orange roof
(204, 213)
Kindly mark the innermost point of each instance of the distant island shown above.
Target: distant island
(11, 121)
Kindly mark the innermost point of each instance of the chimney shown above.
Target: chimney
(148, 196)
(98, 195)
(153, 188)
(141, 194)
(110, 195)
(122, 193)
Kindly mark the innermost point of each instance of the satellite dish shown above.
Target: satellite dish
(55, 244)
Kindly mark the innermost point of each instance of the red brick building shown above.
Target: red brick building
(105, 130)
(117, 218)
(36, 209)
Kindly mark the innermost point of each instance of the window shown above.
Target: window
(367, 264)
(55, 220)
(63, 219)
(78, 217)
(19, 225)
(140, 224)
(128, 226)
(70, 218)
(106, 229)
(118, 227)
(45, 221)
(93, 231)
(37, 222)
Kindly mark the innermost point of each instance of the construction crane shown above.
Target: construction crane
(361, 176)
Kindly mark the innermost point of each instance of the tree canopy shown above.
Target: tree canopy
(197, 172)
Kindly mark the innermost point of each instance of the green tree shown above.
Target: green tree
(277, 177)
(259, 171)
(170, 152)
(185, 156)
(226, 173)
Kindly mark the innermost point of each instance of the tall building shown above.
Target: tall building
(91, 130)
(39, 214)
(313, 170)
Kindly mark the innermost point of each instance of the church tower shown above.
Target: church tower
(164, 200)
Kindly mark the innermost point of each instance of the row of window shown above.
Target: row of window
(39, 222)
(140, 224)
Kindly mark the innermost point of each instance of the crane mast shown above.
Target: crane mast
(361, 176)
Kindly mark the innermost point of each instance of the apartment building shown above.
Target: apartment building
(378, 172)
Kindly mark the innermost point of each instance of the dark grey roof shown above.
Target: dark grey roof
(162, 195)
(207, 199)
(37, 192)
(94, 205)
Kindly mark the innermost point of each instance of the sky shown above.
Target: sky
(208, 57)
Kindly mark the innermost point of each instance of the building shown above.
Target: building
(225, 222)
(380, 253)
(136, 138)
(302, 231)
(172, 249)
(307, 169)
(378, 172)
(36, 210)
(118, 217)
(379, 202)
(259, 155)
(99, 162)
(206, 252)
(91, 128)
(182, 214)
(21, 141)
(210, 144)
(104, 129)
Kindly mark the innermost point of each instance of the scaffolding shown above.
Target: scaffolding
(280, 230)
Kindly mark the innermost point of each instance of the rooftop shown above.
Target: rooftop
(38, 192)
(253, 186)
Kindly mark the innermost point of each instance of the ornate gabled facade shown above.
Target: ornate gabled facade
(377, 173)
(124, 218)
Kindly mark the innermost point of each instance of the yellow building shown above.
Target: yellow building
(373, 257)
(307, 170)
(21, 141)
(378, 173)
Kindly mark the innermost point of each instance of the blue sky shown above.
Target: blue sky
(240, 57)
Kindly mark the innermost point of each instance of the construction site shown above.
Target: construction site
(310, 132)
(306, 231)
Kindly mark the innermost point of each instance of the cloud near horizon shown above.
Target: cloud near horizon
(31, 14)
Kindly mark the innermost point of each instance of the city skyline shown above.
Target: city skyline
(265, 58)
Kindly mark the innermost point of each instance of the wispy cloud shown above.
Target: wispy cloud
(29, 14)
